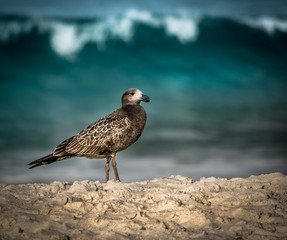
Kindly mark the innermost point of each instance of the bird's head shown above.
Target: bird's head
(134, 96)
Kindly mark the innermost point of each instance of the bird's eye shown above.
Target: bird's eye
(131, 93)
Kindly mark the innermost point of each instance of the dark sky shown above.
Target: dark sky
(97, 7)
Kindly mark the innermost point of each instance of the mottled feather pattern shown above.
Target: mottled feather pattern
(101, 130)
(97, 138)
(60, 150)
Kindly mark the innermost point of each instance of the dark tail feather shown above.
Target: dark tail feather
(44, 161)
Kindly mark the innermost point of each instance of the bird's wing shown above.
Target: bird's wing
(96, 138)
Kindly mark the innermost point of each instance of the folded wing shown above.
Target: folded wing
(96, 139)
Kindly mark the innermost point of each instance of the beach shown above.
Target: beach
(176, 207)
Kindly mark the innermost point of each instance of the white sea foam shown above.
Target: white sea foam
(185, 29)
(143, 17)
(136, 168)
(69, 38)
(9, 30)
(65, 40)
(268, 24)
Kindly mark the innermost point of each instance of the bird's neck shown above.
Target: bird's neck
(134, 110)
(137, 115)
(129, 108)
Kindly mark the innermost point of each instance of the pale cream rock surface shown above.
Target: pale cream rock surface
(166, 208)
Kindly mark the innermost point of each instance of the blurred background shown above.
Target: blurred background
(216, 72)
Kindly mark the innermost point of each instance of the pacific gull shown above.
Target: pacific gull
(105, 137)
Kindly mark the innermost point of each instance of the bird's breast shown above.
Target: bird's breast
(135, 121)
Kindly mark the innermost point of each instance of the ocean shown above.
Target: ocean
(217, 86)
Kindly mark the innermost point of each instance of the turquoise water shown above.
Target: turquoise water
(217, 84)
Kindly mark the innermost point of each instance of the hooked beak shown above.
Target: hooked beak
(145, 98)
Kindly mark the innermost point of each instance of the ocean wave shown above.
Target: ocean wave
(268, 24)
(12, 29)
(214, 163)
(177, 135)
(67, 38)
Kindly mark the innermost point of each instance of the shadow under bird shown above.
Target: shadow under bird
(105, 137)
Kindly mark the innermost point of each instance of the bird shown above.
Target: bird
(105, 137)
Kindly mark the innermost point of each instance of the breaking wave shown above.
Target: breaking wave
(268, 24)
(68, 37)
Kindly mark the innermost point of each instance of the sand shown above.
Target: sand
(176, 207)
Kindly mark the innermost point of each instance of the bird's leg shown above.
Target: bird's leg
(115, 167)
(107, 168)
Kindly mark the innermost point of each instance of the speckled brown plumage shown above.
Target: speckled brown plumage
(107, 136)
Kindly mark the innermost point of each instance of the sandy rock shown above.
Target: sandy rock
(166, 208)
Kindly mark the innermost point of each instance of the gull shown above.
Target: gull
(105, 137)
